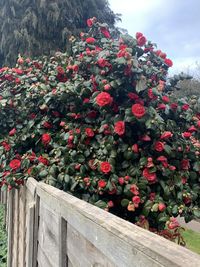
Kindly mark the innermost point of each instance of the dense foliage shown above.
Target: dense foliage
(3, 239)
(99, 125)
(40, 27)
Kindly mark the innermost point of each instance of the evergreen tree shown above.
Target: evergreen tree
(40, 27)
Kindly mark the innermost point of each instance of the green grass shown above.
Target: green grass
(192, 240)
(3, 239)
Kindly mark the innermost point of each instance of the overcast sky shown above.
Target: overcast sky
(173, 24)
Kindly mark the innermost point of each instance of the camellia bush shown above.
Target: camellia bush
(98, 124)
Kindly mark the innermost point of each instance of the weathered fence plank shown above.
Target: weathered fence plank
(63, 231)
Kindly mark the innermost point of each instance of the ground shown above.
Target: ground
(3, 239)
(192, 240)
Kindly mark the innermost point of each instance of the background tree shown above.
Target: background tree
(40, 27)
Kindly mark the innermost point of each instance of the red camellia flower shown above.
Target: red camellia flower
(46, 138)
(121, 180)
(133, 96)
(89, 132)
(102, 183)
(103, 99)
(89, 22)
(159, 146)
(138, 111)
(135, 148)
(168, 62)
(90, 40)
(47, 125)
(105, 32)
(166, 135)
(43, 160)
(141, 40)
(12, 132)
(185, 107)
(161, 106)
(6, 146)
(138, 35)
(151, 177)
(192, 129)
(185, 164)
(174, 106)
(136, 200)
(134, 189)
(161, 207)
(105, 167)
(186, 134)
(107, 87)
(165, 99)
(151, 94)
(173, 223)
(152, 196)
(15, 164)
(119, 127)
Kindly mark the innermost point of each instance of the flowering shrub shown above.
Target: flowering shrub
(98, 124)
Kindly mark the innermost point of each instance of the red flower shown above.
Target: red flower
(141, 40)
(46, 138)
(105, 167)
(119, 127)
(138, 110)
(121, 180)
(89, 132)
(173, 223)
(138, 35)
(161, 106)
(162, 158)
(185, 107)
(151, 94)
(32, 157)
(60, 70)
(198, 124)
(134, 189)
(174, 106)
(166, 135)
(168, 62)
(161, 207)
(103, 99)
(90, 40)
(102, 62)
(192, 129)
(101, 183)
(90, 22)
(43, 160)
(107, 87)
(12, 132)
(105, 32)
(151, 177)
(136, 200)
(133, 96)
(135, 148)
(15, 164)
(159, 146)
(165, 99)
(6, 146)
(186, 134)
(152, 196)
(185, 165)
(47, 125)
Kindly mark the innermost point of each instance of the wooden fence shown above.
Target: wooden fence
(50, 228)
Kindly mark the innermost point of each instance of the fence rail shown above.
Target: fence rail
(50, 228)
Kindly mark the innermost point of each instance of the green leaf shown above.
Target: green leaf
(125, 202)
(101, 204)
